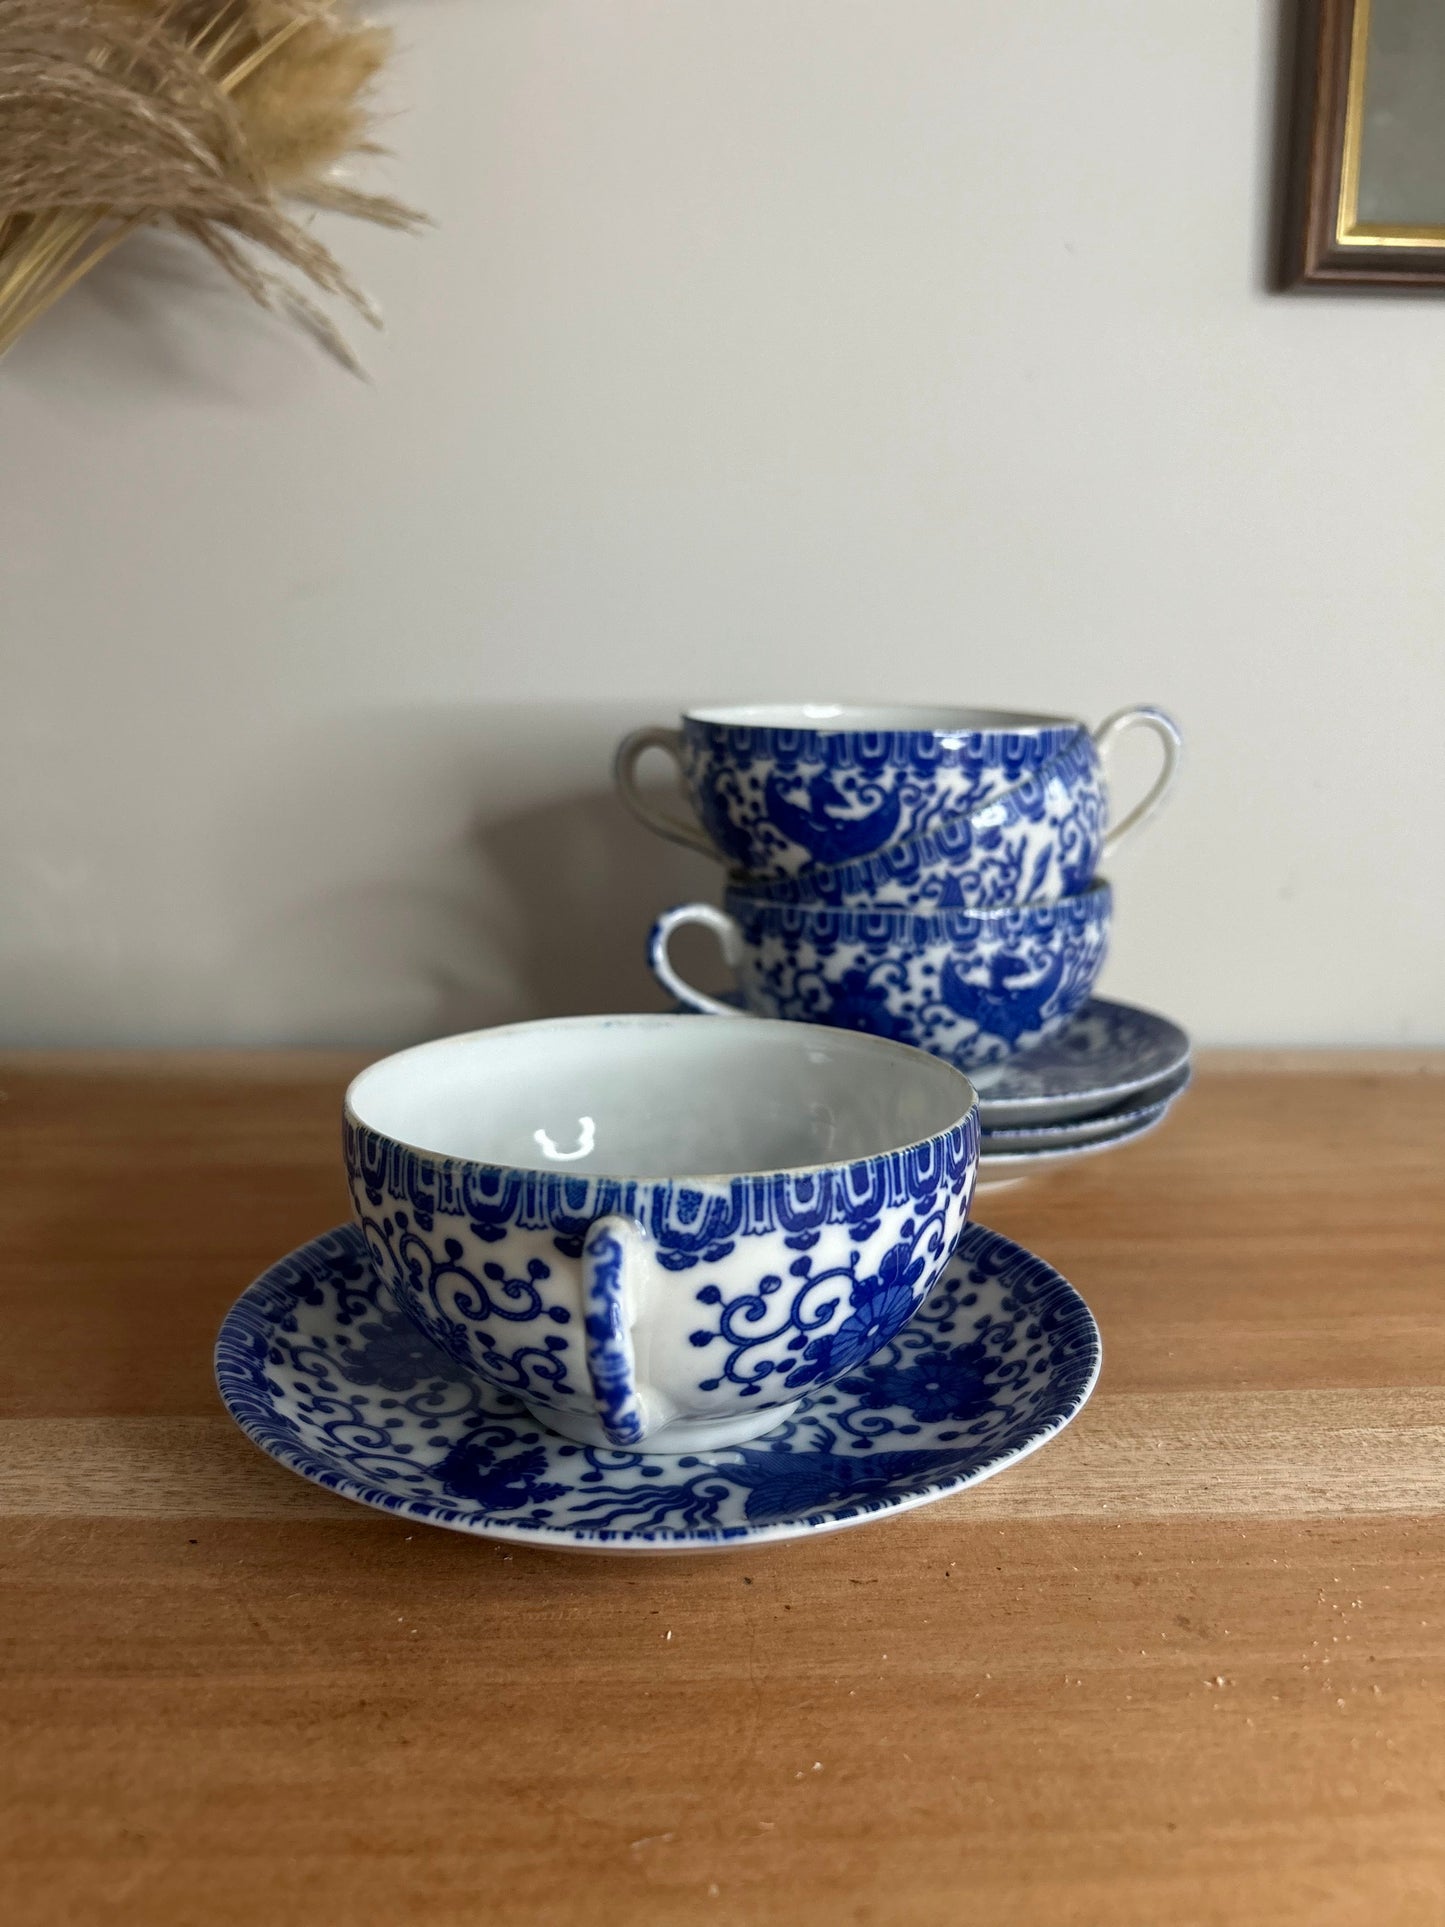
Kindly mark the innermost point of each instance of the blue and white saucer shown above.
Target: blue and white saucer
(1104, 1055)
(1109, 1125)
(319, 1368)
(997, 1168)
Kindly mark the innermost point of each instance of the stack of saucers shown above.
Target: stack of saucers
(1108, 1077)
(928, 875)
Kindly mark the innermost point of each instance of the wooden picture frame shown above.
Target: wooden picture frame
(1327, 241)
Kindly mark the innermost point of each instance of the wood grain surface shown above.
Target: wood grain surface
(1186, 1665)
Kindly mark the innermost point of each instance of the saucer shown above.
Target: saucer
(1035, 1144)
(1105, 1053)
(1149, 1104)
(319, 1368)
(1007, 1167)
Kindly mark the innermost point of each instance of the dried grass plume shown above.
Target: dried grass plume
(199, 115)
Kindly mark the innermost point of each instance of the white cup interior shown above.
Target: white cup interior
(868, 717)
(660, 1097)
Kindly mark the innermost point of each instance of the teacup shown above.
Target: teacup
(1043, 838)
(971, 986)
(778, 788)
(659, 1234)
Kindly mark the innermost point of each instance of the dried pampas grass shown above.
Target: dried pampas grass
(199, 115)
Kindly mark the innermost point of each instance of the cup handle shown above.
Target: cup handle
(1167, 730)
(729, 937)
(676, 829)
(610, 1251)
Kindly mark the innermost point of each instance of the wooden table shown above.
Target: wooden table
(1186, 1665)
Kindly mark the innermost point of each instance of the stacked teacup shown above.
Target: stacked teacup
(930, 875)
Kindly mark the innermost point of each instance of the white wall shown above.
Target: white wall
(913, 349)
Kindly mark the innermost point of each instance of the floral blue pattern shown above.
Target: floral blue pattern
(1000, 1356)
(972, 986)
(940, 1382)
(610, 1364)
(775, 801)
(499, 1269)
(1039, 840)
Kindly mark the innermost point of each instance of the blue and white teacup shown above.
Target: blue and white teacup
(657, 1234)
(776, 789)
(972, 986)
(1043, 838)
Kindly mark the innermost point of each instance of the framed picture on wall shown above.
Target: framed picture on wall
(1369, 145)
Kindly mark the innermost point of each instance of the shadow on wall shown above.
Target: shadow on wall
(426, 871)
(588, 881)
(158, 318)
